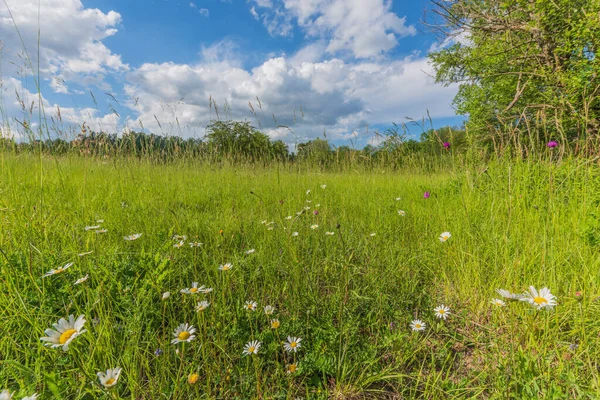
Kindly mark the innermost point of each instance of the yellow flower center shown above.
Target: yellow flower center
(225, 267)
(250, 307)
(292, 368)
(66, 335)
(540, 300)
(275, 324)
(109, 381)
(59, 270)
(183, 335)
(293, 344)
(418, 326)
(441, 312)
(194, 289)
(193, 378)
(251, 349)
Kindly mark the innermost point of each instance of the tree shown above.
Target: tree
(523, 66)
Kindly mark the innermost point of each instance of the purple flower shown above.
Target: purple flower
(158, 352)
(316, 212)
(446, 145)
(552, 144)
(426, 195)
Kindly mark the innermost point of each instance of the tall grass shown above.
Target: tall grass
(350, 296)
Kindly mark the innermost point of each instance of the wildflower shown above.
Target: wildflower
(498, 303)
(195, 244)
(316, 212)
(426, 195)
(373, 234)
(58, 270)
(100, 221)
(295, 234)
(248, 252)
(445, 236)
(184, 333)
(446, 145)
(179, 245)
(275, 323)
(179, 237)
(401, 213)
(194, 289)
(135, 236)
(158, 352)
(110, 378)
(5, 395)
(288, 217)
(442, 312)
(101, 231)
(225, 267)
(541, 299)
(206, 290)
(32, 397)
(203, 305)
(299, 212)
(307, 208)
(318, 205)
(323, 186)
(166, 295)
(417, 325)
(314, 226)
(508, 295)
(578, 296)
(64, 332)
(193, 378)
(85, 254)
(269, 310)
(250, 305)
(251, 348)
(92, 227)
(552, 144)
(330, 233)
(291, 368)
(398, 198)
(81, 280)
(292, 344)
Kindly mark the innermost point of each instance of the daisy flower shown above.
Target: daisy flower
(109, 378)
(206, 290)
(442, 312)
(291, 368)
(202, 305)
(323, 186)
(251, 348)
(498, 303)
(330, 233)
(307, 208)
(184, 333)
(179, 237)
(194, 289)
(250, 305)
(373, 234)
(179, 245)
(541, 299)
(292, 344)
(248, 252)
(101, 231)
(314, 226)
(288, 217)
(166, 295)
(193, 378)
(401, 213)
(269, 310)
(275, 323)
(398, 198)
(195, 244)
(445, 236)
(5, 395)
(417, 325)
(32, 397)
(92, 227)
(81, 280)
(64, 332)
(85, 254)
(225, 267)
(508, 295)
(58, 270)
(100, 221)
(295, 234)
(135, 236)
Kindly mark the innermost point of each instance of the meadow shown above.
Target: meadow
(347, 261)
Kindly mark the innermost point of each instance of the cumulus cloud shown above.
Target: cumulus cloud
(71, 35)
(365, 28)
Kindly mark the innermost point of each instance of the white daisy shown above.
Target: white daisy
(401, 213)
(135, 236)
(275, 323)
(184, 333)
(58, 270)
(179, 245)
(250, 305)
(418, 325)
(307, 208)
(292, 344)
(508, 295)
(442, 312)
(541, 299)
(195, 244)
(295, 234)
(251, 347)
(206, 290)
(248, 252)
(269, 310)
(179, 237)
(81, 280)
(225, 267)
(109, 378)
(373, 234)
(202, 305)
(100, 221)
(398, 198)
(498, 303)
(330, 233)
(85, 254)
(445, 236)
(166, 295)
(92, 227)
(101, 231)
(314, 226)
(64, 332)
(323, 186)
(194, 289)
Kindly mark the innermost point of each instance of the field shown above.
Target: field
(349, 288)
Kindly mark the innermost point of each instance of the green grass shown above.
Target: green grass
(350, 296)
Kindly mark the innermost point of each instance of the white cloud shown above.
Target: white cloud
(365, 28)
(70, 39)
(202, 11)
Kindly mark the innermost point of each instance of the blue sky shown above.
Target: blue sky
(345, 67)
